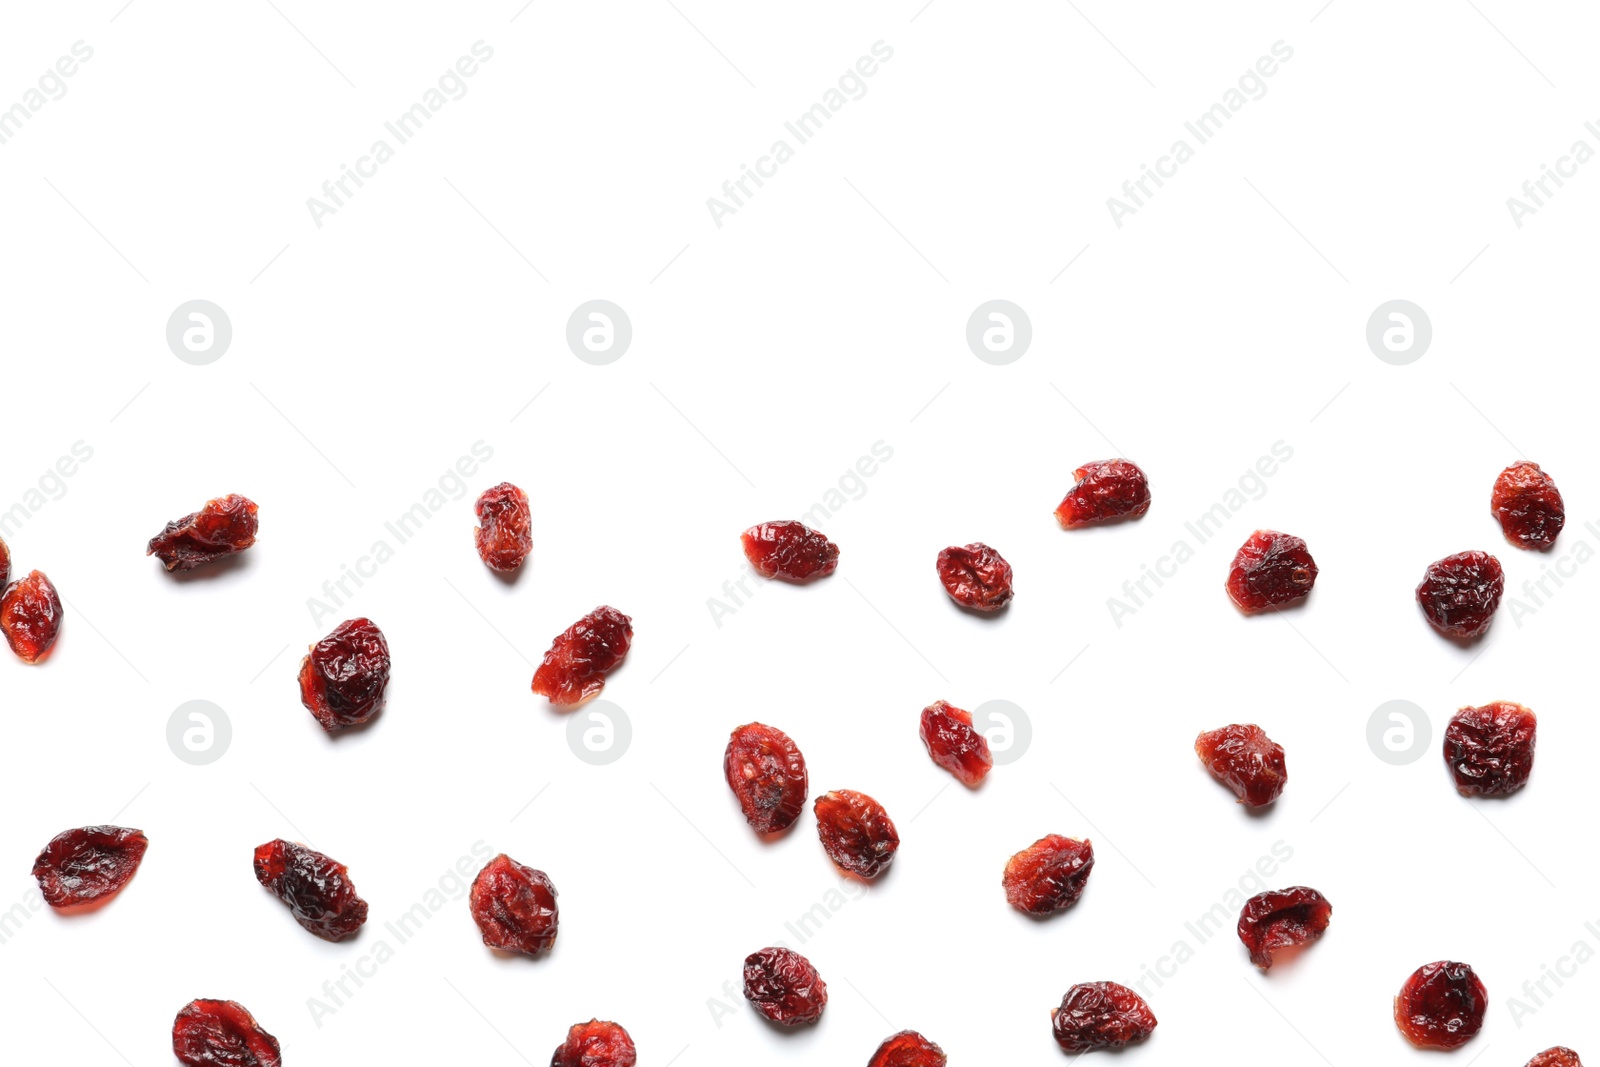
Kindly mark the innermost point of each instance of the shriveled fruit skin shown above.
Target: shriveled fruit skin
(856, 832)
(30, 615)
(954, 745)
(1270, 570)
(316, 888)
(789, 550)
(224, 526)
(1490, 749)
(83, 865)
(1107, 490)
(784, 987)
(975, 576)
(1282, 918)
(582, 655)
(1247, 761)
(1441, 1005)
(343, 678)
(505, 534)
(1529, 506)
(1556, 1057)
(221, 1033)
(908, 1049)
(5, 563)
(1096, 1015)
(596, 1044)
(1459, 594)
(514, 907)
(767, 774)
(1049, 875)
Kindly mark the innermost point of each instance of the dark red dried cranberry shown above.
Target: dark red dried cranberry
(1107, 490)
(789, 550)
(1490, 749)
(221, 1033)
(514, 906)
(224, 526)
(1556, 1057)
(784, 987)
(1096, 1015)
(1459, 594)
(1441, 1006)
(5, 563)
(975, 576)
(767, 774)
(317, 888)
(1528, 505)
(85, 865)
(582, 655)
(1282, 918)
(596, 1044)
(1048, 875)
(30, 614)
(343, 678)
(908, 1049)
(1247, 761)
(856, 832)
(954, 744)
(1271, 569)
(506, 535)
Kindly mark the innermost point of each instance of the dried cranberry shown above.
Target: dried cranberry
(343, 678)
(1095, 1015)
(506, 535)
(1048, 875)
(1556, 1057)
(316, 888)
(976, 576)
(1459, 594)
(1247, 761)
(1490, 749)
(5, 563)
(1441, 1006)
(221, 1033)
(1528, 505)
(514, 906)
(583, 654)
(856, 832)
(85, 865)
(1106, 490)
(784, 987)
(1272, 569)
(789, 550)
(767, 774)
(30, 614)
(1282, 918)
(221, 528)
(596, 1044)
(908, 1049)
(954, 744)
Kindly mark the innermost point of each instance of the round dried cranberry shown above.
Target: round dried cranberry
(1556, 1057)
(343, 678)
(84, 865)
(575, 667)
(506, 535)
(1048, 875)
(1096, 1015)
(1490, 749)
(908, 1049)
(1106, 491)
(856, 832)
(1441, 1006)
(596, 1044)
(1459, 594)
(30, 615)
(514, 907)
(767, 774)
(221, 1033)
(1282, 918)
(789, 550)
(1247, 761)
(224, 526)
(953, 743)
(1529, 506)
(784, 987)
(975, 576)
(316, 888)
(1271, 569)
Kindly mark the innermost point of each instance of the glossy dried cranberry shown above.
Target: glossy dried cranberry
(316, 888)
(1048, 875)
(1106, 491)
(596, 1044)
(784, 987)
(1490, 749)
(224, 526)
(953, 743)
(5, 563)
(30, 615)
(1556, 1057)
(767, 774)
(1459, 594)
(975, 576)
(789, 550)
(343, 678)
(582, 655)
(221, 1033)
(1441, 1006)
(85, 865)
(1096, 1015)
(505, 536)
(1271, 569)
(1528, 505)
(855, 832)
(514, 906)
(908, 1049)
(1282, 918)
(1247, 761)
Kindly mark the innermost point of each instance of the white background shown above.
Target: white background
(768, 355)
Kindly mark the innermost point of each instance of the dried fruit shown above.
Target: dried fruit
(30, 614)
(908, 1049)
(1107, 490)
(1528, 505)
(1247, 761)
(1282, 918)
(506, 535)
(514, 906)
(1490, 749)
(1095, 1015)
(316, 887)
(1271, 569)
(1048, 875)
(767, 774)
(856, 832)
(221, 1033)
(596, 1044)
(1441, 1006)
(954, 744)
(5, 562)
(1459, 594)
(1556, 1057)
(343, 678)
(975, 576)
(224, 526)
(84, 865)
(784, 987)
(789, 550)
(583, 654)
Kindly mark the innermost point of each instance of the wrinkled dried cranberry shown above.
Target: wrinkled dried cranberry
(1490, 749)
(596, 1044)
(1441, 1006)
(5, 563)
(343, 678)
(1095, 1015)
(1282, 918)
(224, 526)
(30, 614)
(856, 832)
(975, 576)
(316, 887)
(953, 743)
(1459, 594)
(908, 1049)
(221, 1033)
(506, 535)
(582, 655)
(514, 906)
(1247, 761)
(767, 774)
(84, 865)
(1271, 569)
(784, 987)
(789, 550)
(1106, 490)
(1528, 505)
(1556, 1057)
(1048, 875)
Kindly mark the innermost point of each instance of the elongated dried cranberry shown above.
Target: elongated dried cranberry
(596, 1044)
(84, 865)
(1529, 506)
(1106, 490)
(1459, 594)
(1556, 1057)
(953, 743)
(343, 678)
(221, 1033)
(5, 563)
(908, 1049)
(1096, 1015)
(30, 615)
(1441, 1005)
(1282, 918)
(1271, 569)
(975, 576)
(514, 907)
(224, 526)
(767, 774)
(316, 888)
(784, 987)
(789, 550)
(1247, 761)
(1048, 875)
(582, 655)
(856, 832)
(1490, 749)
(505, 536)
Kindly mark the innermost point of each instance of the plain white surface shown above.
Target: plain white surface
(768, 355)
